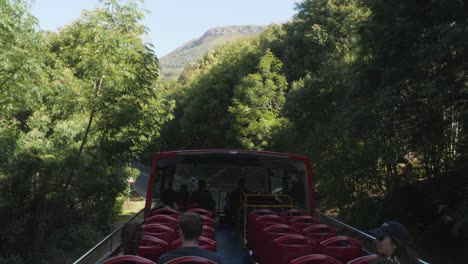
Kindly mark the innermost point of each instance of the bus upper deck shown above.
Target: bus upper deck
(275, 220)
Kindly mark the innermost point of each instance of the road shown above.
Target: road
(141, 183)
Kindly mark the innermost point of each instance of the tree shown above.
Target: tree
(106, 52)
(87, 107)
(257, 104)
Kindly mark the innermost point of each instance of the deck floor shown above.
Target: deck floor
(229, 246)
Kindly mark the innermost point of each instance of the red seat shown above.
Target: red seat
(364, 259)
(320, 232)
(267, 235)
(207, 232)
(201, 211)
(289, 247)
(281, 228)
(167, 211)
(152, 248)
(191, 259)
(260, 212)
(291, 213)
(204, 242)
(303, 221)
(315, 259)
(160, 231)
(342, 248)
(124, 258)
(254, 215)
(163, 220)
(208, 221)
(257, 213)
(259, 223)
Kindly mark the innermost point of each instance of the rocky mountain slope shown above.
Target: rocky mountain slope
(173, 63)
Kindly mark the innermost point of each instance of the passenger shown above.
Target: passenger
(167, 199)
(233, 200)
(202, 197)
(181, 197)
(392, 243)
(190, 229)
(130, 238)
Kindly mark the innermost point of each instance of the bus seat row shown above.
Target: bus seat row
(152, 247)
(160, 232)
(324, 259)
(308, 259)
(141, 260)
(174, 213)
(280, 238)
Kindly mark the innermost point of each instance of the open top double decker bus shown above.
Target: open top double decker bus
(274, 221)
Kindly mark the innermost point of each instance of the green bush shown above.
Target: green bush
(11, 260)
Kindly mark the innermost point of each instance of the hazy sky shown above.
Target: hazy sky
(174, 22)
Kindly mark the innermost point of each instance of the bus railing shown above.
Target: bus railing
(282, 201)
(104, 248)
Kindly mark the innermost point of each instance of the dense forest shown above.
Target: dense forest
(375, 92)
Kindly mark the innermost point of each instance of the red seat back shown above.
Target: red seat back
(267, 235)
(281, 228)
(257, 213)
(208, 221)
(342, 248)
(315, 259)
(160, 231)
(320, 232)
(190, 259)
(291, 213)
(134, 259)
(208, 232)
(289, 247)
(163, 220)
(303, 221)
(259, 223)
(167, 211)
(152, 248)
(364, 259)
(201, 211)
(204, 242)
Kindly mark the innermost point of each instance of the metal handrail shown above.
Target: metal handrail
(78, 261)
(245, 205)
(355, 230)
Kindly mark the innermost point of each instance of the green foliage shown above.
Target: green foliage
(375, 92)
(11, 260)
(20, 54)
(79, 106)
(375, 95)
(257, 103)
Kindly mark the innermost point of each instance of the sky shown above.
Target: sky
(175, 22)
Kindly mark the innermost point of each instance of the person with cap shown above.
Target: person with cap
(391, 242)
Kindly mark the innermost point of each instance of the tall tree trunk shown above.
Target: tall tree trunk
(97, 88)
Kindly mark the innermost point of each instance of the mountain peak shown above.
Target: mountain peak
(248, 30)
(173, 63)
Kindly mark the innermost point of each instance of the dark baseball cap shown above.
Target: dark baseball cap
(393, 229)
